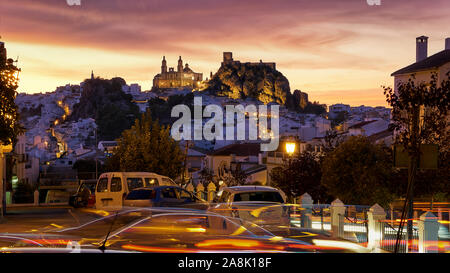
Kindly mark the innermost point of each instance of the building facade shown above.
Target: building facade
(425, 66)
(183, 77)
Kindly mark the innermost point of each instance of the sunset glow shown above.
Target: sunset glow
(336, 51)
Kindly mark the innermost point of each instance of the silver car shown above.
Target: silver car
(262, 205)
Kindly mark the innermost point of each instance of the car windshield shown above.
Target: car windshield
(89, 186)
(261, 196)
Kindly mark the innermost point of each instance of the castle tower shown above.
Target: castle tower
(164, 65)
(92, 75)
(227, 57)
(180, 65)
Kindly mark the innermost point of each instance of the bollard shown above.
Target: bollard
(190, 188)
(211, 190)
(36, 198)
(376, 215)
(428, 233)
(306, 204)
(200, 190)
(337, 211)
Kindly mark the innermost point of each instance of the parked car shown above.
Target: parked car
(164, 196)
(265, 206)
(113, 187)
(85, 195)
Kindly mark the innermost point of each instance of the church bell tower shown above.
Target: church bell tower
(180, 65)
(164, 65)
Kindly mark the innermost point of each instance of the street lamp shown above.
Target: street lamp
(290, 148)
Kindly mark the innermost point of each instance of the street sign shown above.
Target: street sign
(428, 157)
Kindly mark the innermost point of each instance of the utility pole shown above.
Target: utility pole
(413, 165)
(414, 161)
(186, 149)
(96, 146)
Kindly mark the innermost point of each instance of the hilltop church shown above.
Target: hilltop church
(180, 79)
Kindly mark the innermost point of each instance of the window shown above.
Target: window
(116, 184)
(168, 193)
(141, 195)
(102, 185)
(184, 194)
(150, 182)
(263, 196)
(134, 183)
(89, 186)
(168, 181)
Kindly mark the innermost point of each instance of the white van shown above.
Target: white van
(112, 187)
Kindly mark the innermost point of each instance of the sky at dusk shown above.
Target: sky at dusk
(335, 50)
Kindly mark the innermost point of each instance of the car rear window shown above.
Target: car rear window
(116, 184)
(102, 185)
(263, 196)
(141, 195)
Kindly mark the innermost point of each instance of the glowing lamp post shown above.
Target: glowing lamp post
(290, 148)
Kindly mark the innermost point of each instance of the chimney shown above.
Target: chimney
(447, 44)
(421, 48)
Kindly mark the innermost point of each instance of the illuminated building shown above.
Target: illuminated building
(180, 79)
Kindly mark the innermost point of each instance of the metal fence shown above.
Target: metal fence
(354, 229)
(321, 217)
(389, 235)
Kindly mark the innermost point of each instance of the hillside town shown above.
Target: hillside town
(224, 128)
(52, 144)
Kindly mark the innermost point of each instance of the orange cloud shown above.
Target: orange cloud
(320, 46)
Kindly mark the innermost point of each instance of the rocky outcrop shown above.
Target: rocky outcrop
(300, 99)
(104, 101)
(242, 80)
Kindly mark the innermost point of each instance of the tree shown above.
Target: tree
(147, 147)
(162, 109)
(359, 172)
(9, 116)
(300, 175)
(420, 113)
(236, 175)
(104, 101)
(419, 116)
(331, 140)
(86, 168)
(206, 176)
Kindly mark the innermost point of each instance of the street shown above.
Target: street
(91, 226)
